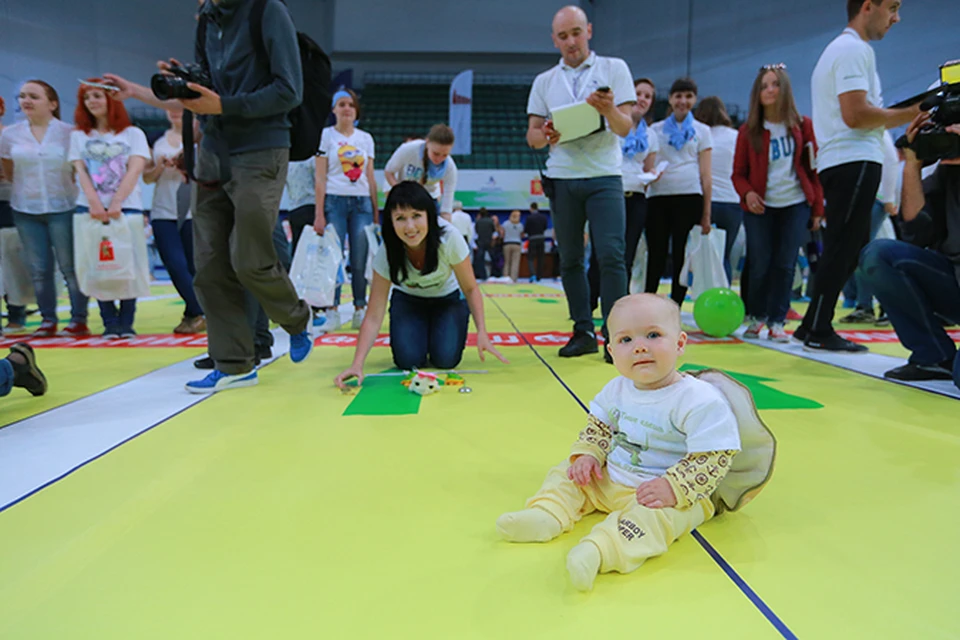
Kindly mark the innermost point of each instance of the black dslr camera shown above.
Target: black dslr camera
(933, 142)
(174, 85)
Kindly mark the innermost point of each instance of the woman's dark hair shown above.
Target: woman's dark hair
(713, 113)
(410, 196)
(681, 85)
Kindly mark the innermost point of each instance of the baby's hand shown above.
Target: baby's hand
(656, 494)
(583, 469)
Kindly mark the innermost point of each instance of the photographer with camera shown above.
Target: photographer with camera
(918, 281)
(241, 170)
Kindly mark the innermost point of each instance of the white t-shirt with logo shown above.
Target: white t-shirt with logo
(164, 205)
(682, 175)
(598, 154)
(452, 251)
(783, 185)
(407, 164)
(721, 164)
(347, 158)
(654, 430)
(847, 64)
(42, 176)
(106, 156)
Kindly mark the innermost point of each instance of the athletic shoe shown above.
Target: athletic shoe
(858, 316)
(753, 331)
(128, 333)
(580, 344)
(27, 375)
(882, 320)
(207, 363)
(793, 315)
(76, 330)
(832, 344)
(326, 322)
(13, 327)
(301, 345)
(911, 372)
(357, 319)
(111, 333)
(45, 330)
(777, 334)
(216, 381)
(191, 325)
(800, 334)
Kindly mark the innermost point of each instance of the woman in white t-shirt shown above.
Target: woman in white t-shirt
(640, 149)
(109, 155)
(725, 209)
(174, 238)
(346, 193)
(427, 262)
(429, 163)
(680, 198)
(34, 155)
(781, 197)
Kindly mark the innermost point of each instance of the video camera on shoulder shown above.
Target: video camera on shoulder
(933, 142)
(173, 86)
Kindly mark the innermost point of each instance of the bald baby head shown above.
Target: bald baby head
(647, 309)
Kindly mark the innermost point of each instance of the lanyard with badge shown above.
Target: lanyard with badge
(577, 119)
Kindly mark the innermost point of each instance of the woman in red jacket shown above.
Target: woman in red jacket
(781, 194)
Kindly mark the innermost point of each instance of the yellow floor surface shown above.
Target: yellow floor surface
(267, 512)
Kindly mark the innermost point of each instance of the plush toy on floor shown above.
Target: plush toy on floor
(423, 383)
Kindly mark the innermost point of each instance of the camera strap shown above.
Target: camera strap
(189, 146)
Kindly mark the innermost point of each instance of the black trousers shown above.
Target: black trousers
(669, 221)
(849, 190)
(536, 249)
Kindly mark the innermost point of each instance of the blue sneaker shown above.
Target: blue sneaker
(216, 380)
(300, 346)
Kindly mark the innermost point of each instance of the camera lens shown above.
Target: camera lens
(163, 86)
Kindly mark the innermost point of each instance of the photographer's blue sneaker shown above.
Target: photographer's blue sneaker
(300, 346)
(216, 381)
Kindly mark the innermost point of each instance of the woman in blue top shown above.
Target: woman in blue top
(427, 262)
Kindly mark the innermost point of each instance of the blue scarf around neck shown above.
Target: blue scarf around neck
(636, 141)
(679, 134)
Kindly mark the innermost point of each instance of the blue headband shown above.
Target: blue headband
(338, 95)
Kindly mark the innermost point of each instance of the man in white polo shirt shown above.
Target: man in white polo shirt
(849, 120)
(585, 172)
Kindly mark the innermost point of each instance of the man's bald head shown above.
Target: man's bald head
(568, 17)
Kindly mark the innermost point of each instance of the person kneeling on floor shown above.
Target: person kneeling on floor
(918, 282)
(657, 453)
(19, 369)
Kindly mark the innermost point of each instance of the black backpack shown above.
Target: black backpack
(308, 119)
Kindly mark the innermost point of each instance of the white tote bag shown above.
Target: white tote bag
(373, 244)
(704, 259)
(638, 276)
(17, 281)
(317, 266)
(111, 259)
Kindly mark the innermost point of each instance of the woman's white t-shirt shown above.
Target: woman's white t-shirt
(783, 185)
(164, 206)
(721, 164)
(106, 156)
(633, 167)
(42, 176)
(452, 251)
(682, 175)
(407, 164)
(654, 430)
(301, 183)
(347, 158)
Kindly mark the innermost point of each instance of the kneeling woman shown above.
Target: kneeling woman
(428, 262)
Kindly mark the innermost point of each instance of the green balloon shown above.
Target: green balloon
(718, 312)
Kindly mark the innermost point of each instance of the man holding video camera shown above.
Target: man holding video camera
(241, 170)
(918, 282)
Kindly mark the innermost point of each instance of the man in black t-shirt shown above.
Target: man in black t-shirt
(918, 281)
(536, 228)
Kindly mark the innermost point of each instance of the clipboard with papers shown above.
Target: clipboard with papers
(575, 121)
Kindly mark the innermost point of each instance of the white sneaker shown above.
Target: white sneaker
(357, 318)
(753, 331)
(778, 334)
(326, 322)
